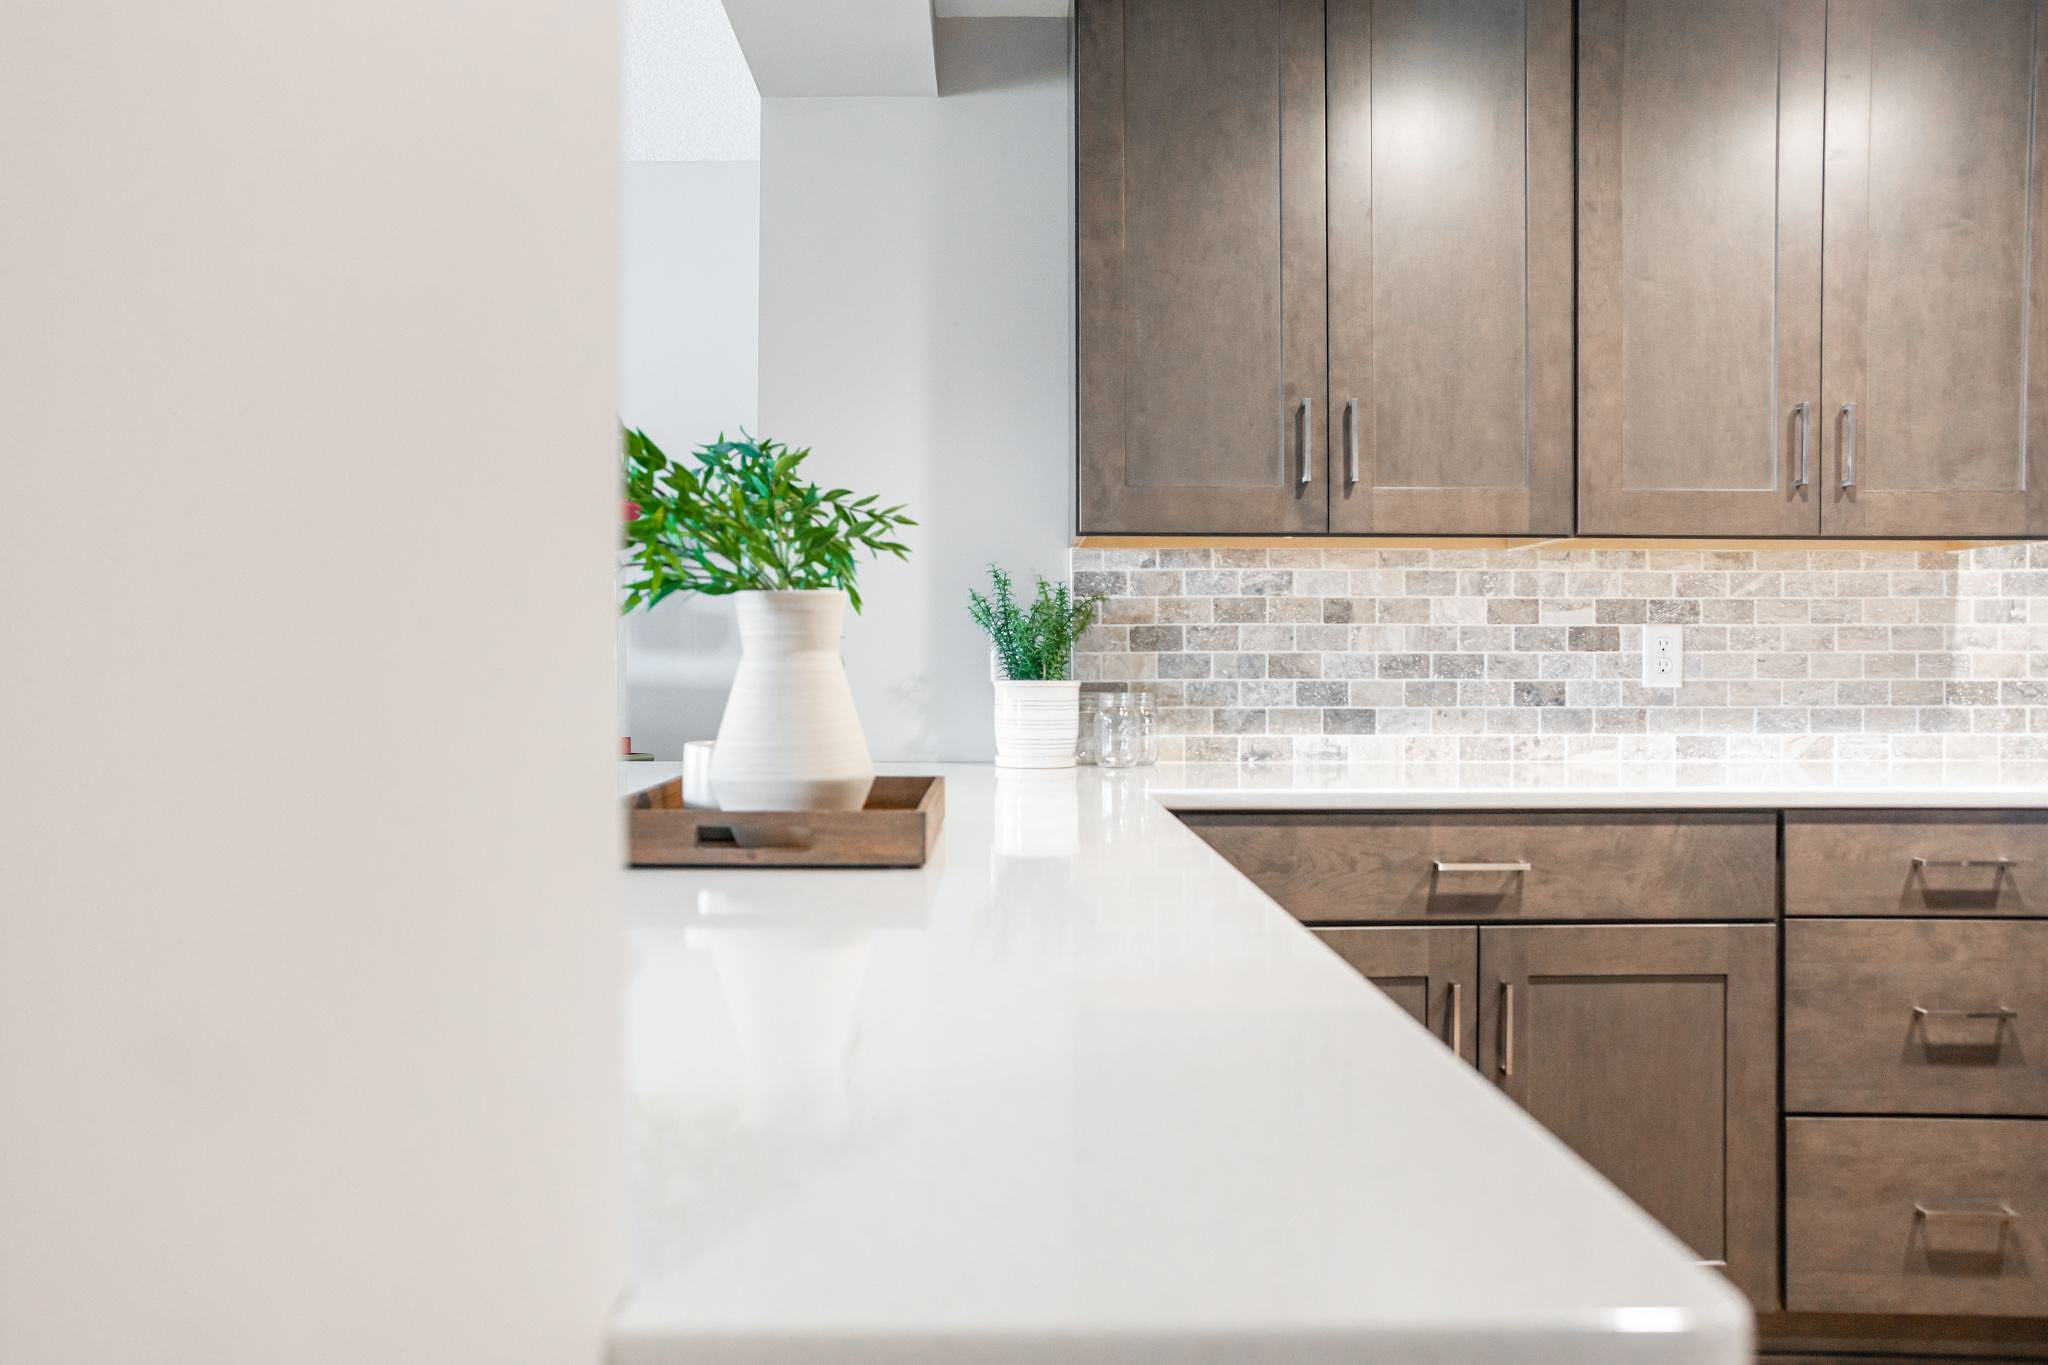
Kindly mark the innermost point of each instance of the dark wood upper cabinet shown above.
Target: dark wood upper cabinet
(1651, 1050)
(1700, 134)
(1450, 240)
(1339, 271)
(1203, 373)
(1936, 330)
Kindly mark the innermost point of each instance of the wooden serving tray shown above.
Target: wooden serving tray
(897, 828)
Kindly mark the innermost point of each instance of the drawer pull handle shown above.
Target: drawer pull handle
(2000, 863)
(1998, 1012)
(1443, 866)
(1997, 1209)
(1457, 1019)
(1714, 1265)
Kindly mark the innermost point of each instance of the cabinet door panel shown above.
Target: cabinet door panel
(1652, 1051)
(1700, 132)
(1201, 304)
(1450, 242)
(1934, 228)
(1428, 972)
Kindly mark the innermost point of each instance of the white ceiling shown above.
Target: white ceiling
(695, 70)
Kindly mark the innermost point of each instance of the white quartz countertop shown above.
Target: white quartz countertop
(1076, 1090)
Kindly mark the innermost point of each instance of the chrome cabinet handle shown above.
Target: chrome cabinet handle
(1308, 444)
(1442, 866)
(1848, 445)
(1507, 1028)
(1999, 1209)
(1351, 443)
(1457, 1019)
(1805, 411)
(1966, 862)
(1998, 1012)
(1712, 1265)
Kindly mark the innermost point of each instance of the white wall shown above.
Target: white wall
(917, 264)
(309, 955)
(688, 369)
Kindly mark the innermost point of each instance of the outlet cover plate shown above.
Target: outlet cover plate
(1663, 656)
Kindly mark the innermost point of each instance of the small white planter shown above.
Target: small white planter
(1037, 723)
(790, 738)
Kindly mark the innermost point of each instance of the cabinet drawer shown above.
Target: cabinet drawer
(1916, 1016)
(1909, 1216)
(1328, 867)
(1975, 863)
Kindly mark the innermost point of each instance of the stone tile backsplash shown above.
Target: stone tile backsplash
(1501, 666)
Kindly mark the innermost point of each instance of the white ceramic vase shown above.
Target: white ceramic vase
(790, 738)
(1037, 723)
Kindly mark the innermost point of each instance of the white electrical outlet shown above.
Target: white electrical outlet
(1663, 656)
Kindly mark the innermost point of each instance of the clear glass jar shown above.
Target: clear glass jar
(1148, 724)
(1119, 732)
(1084, 746)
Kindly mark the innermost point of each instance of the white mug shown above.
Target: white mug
(697, 775)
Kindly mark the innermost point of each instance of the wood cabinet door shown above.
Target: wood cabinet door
(1936, 365)
(1700, 136)
(1203, 363)
(1651, 1050)
(1428, 972)
(1450, 241)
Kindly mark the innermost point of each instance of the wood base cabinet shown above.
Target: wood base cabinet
(1914, 1112)
(1432, 973)
(1652, 1051)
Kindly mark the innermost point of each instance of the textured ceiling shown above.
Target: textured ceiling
(688, 93)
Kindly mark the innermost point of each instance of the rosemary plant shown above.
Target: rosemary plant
(1034, 643)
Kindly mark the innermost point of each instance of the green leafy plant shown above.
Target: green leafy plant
(738, 517)
(1035, 643)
